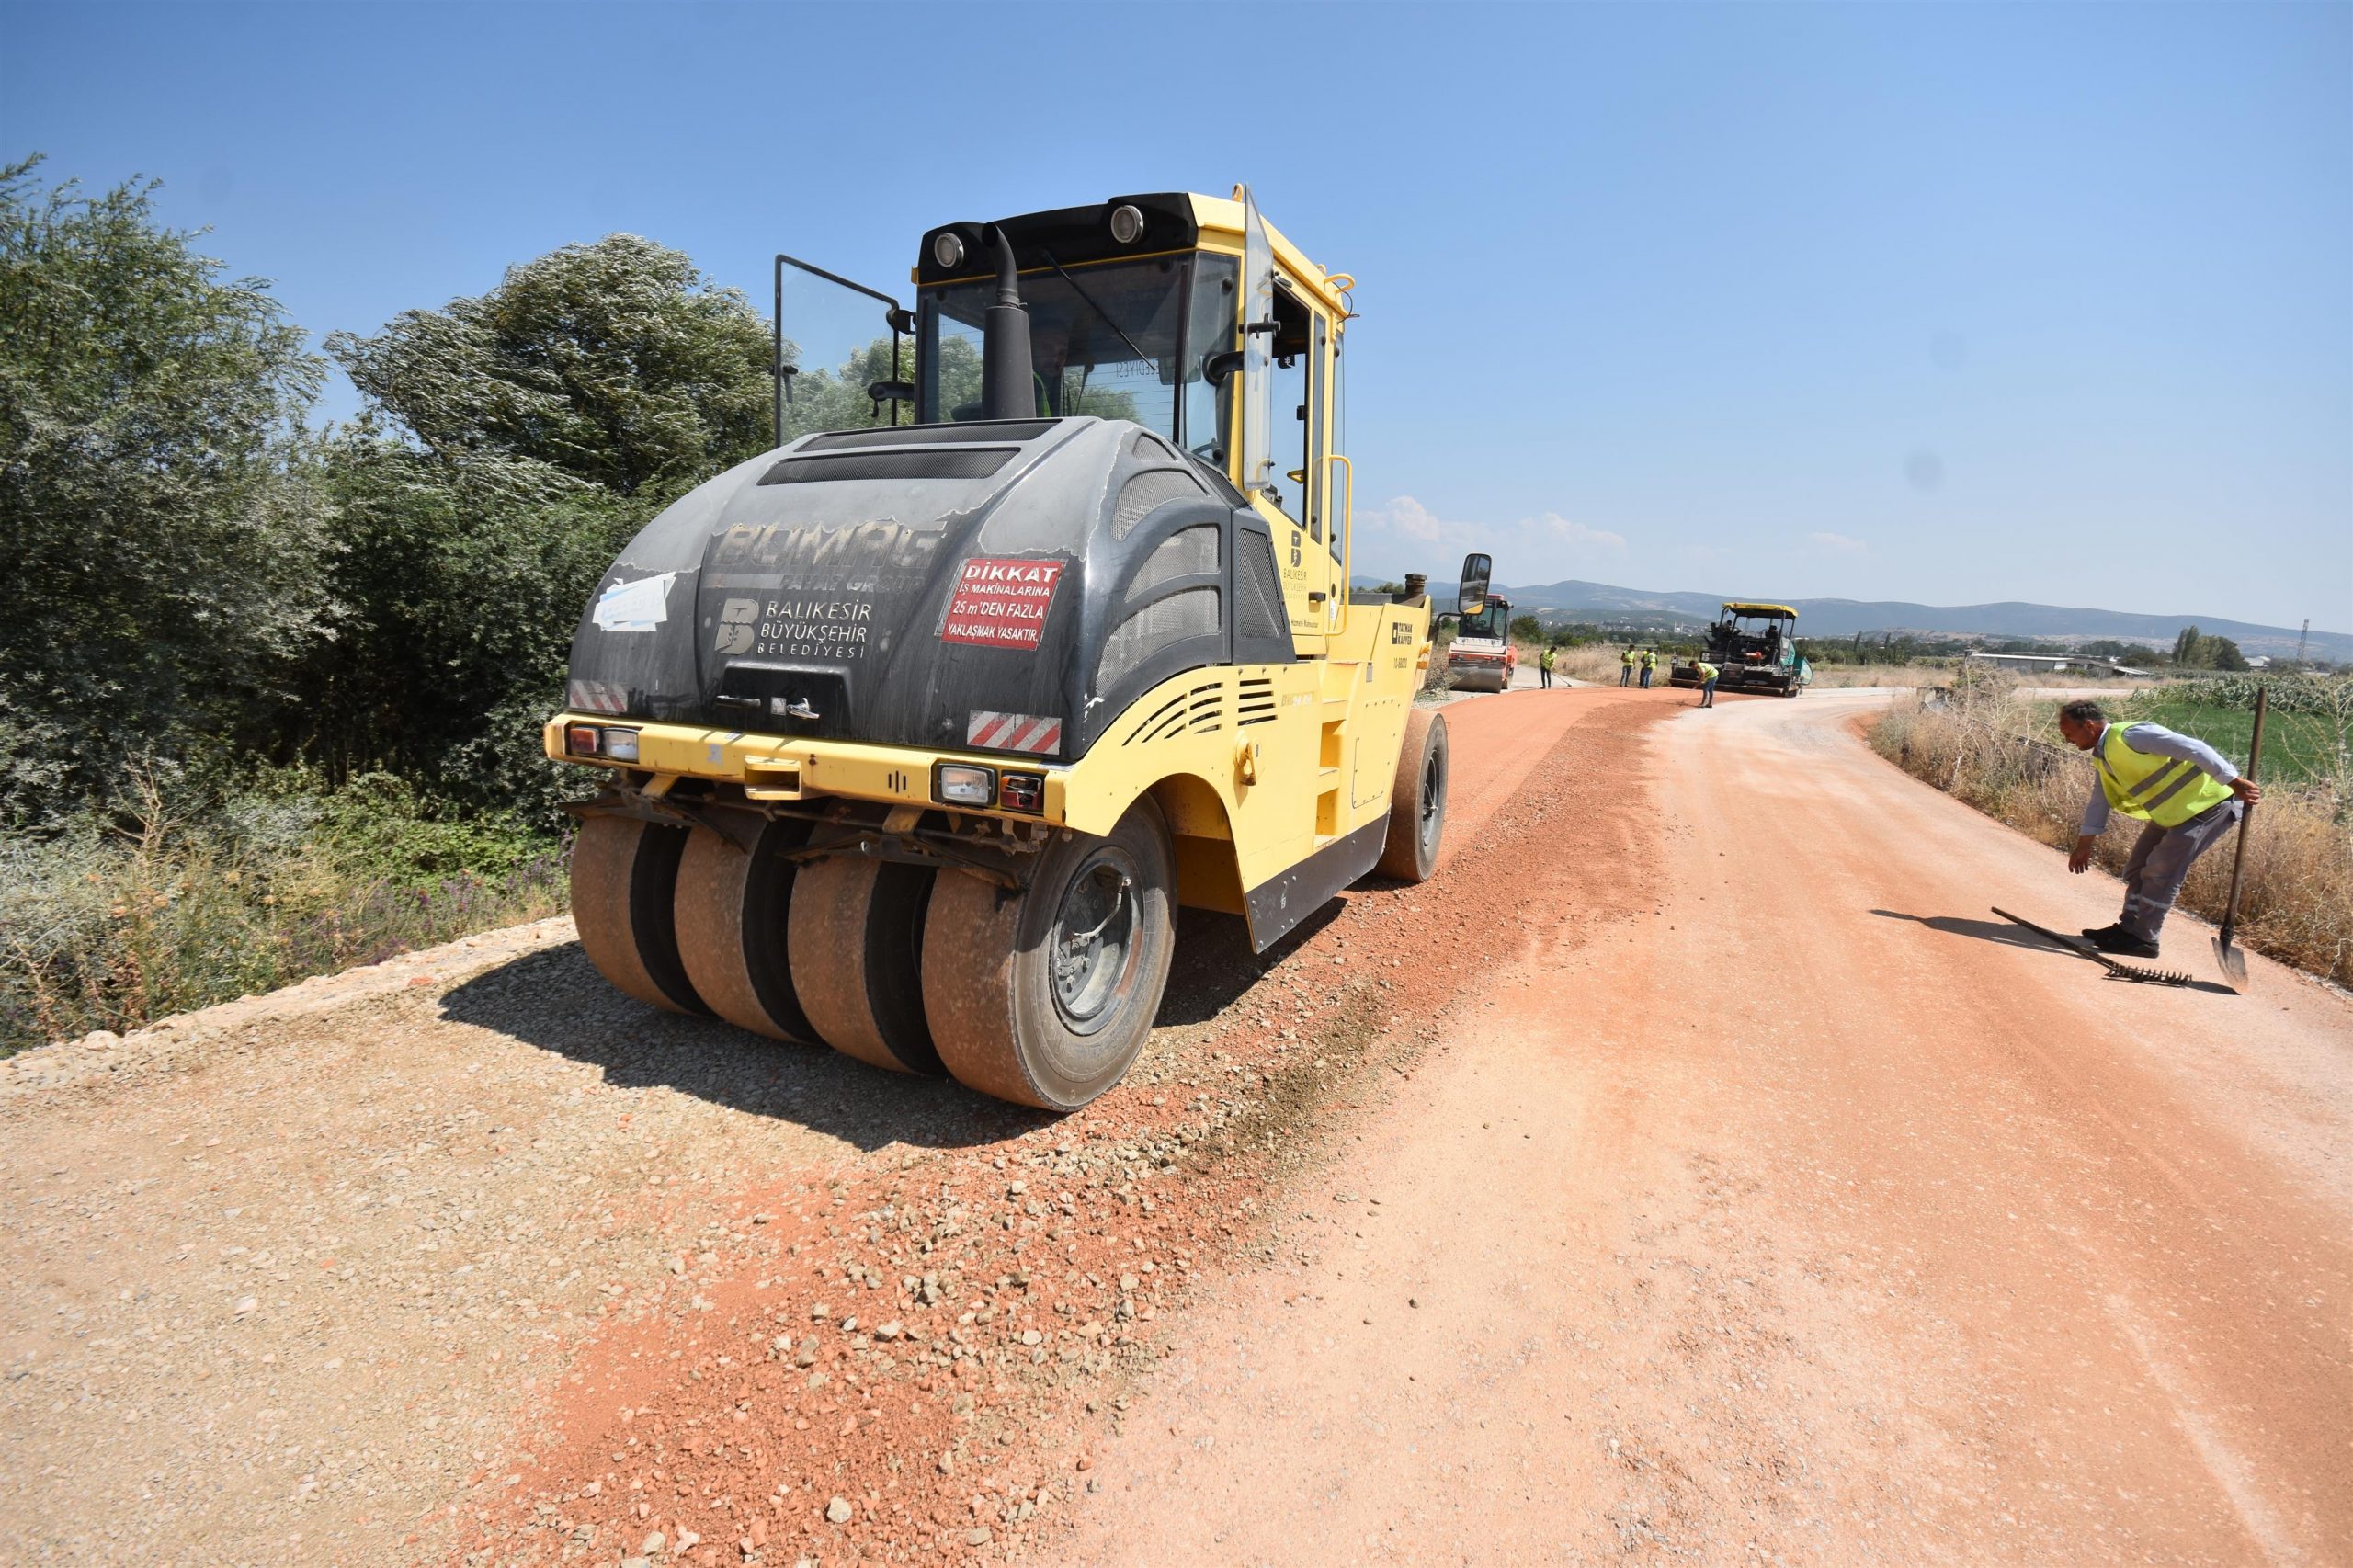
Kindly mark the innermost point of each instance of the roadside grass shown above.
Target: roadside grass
(1839, 676)
(1996, 751)
(1597, 662)
(113, 924)
(1943, 671)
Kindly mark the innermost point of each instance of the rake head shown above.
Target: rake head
(2145, 976)
(2115, 971)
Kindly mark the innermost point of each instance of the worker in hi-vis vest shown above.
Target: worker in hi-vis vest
(1544, 661)
(1707, 673)
(1650, 662)
(1626, 666)
(2188, 797)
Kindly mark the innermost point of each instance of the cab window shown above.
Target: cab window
(1209, 330)
(1293, 353)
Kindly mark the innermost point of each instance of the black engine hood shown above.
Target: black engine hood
(930, 585)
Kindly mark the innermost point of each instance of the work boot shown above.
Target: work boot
(2096, 934)
(2124, 944)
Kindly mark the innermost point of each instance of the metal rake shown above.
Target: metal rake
(2115, 971)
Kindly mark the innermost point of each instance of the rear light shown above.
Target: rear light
(588, 740)
(961, 784)
(1022, 793)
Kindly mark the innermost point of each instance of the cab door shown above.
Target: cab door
(1286, 366)
(840, 353)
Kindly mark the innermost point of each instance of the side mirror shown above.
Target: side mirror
(901, 391)
(1476, 571)
(1216, 368)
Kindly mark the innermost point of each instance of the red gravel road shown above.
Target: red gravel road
(1655, 1181)
(1806, 1215)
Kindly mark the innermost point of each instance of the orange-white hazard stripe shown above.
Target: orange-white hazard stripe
(1014, 731)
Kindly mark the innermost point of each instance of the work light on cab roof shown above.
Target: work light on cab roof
(914, 732)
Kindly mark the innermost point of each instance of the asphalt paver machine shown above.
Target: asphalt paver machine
(915, 732)
(1754, 648)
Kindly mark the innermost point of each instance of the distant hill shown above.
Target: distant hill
(1576, 600)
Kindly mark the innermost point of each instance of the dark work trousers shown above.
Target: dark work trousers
(1708, 694)
(2162, 856)
(1646, 677)
(1625, 675)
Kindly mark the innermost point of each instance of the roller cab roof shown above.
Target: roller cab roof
(1734, 607)
(1172, 221)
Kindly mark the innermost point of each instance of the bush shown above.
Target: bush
(114, 923)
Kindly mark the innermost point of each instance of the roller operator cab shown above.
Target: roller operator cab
(1481, 657)
(1754, 648)
(917, 731)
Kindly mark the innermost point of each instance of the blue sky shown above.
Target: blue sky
(1936, 303)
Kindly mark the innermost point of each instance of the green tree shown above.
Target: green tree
(512, 445)
(616, 364)
(459, 601)
(159, 512)
(836, 399)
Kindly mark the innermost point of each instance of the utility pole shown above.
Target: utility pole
(2301, 637)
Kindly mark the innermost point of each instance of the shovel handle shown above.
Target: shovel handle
(2246, 816)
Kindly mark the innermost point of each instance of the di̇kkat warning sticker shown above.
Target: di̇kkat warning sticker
(1001, 603)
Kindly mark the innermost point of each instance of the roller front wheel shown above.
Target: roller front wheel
(624, 875)
(734, 908)
(1417, 800)
(1044, 997)
(856, 935)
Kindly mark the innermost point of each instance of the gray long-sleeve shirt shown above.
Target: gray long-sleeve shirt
(2155, 740)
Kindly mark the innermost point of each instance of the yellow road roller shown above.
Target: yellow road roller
(915, 732)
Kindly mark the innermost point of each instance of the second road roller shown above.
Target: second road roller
(916, 731)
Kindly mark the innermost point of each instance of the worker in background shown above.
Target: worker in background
(2188, 797)
(1626, 666)
(1707, 673)
(1544, 667)
(1650, 662)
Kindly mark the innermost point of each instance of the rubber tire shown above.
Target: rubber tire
(624, 874)
(987, 975)
(731, 912)
(854, 935)
(1410, 855)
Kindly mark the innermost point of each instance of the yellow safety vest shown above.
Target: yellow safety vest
(2168, 791)
(1627, 657)
(1708, 672)
(1649, 658)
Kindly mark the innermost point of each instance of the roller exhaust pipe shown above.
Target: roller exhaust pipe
(1007, 390)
